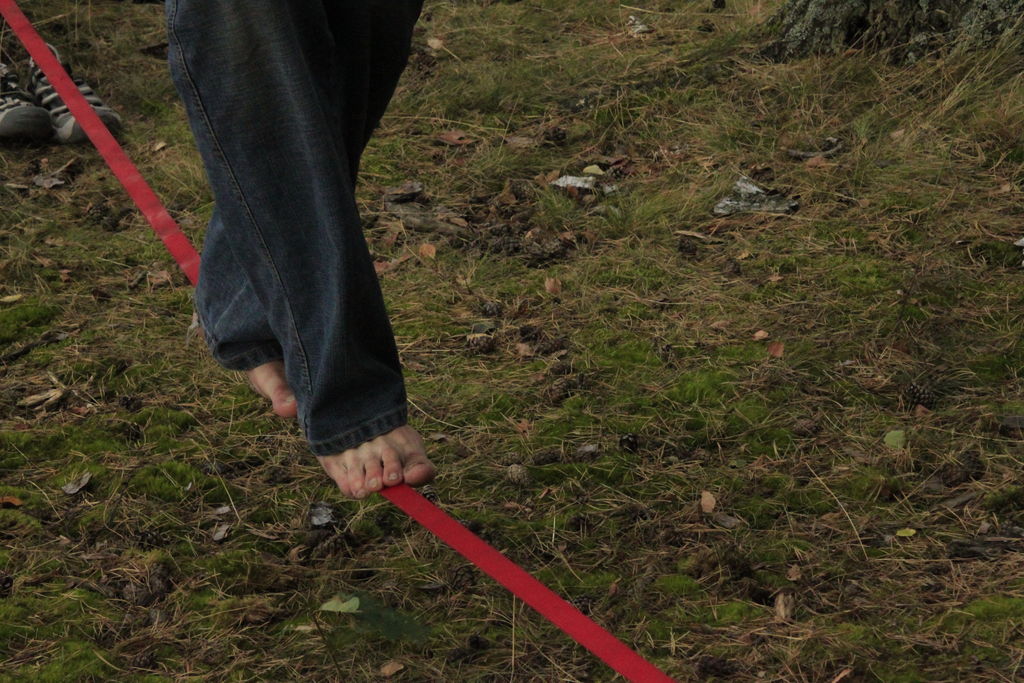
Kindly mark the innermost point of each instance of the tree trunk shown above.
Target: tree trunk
(909, 28)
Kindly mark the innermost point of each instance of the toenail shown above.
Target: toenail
(289, 399)
(372, 483)
(360, 493)
(392, 477)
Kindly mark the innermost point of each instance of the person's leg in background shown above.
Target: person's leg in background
(268, 87)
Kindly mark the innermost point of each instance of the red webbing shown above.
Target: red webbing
(559, 612)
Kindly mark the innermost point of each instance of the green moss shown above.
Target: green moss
(31, 499)
(999, 254)
(17, 448)
(986, 614)
(173, 481)
(91, 437)
(870, 484)
(702, 387)
(20, 322)
(680, 585)
(85, 660)
(735, 612)
(1011, 499)
(237, 571)
(597, 581)
(160, 423)
(48, 611)
(17, 523)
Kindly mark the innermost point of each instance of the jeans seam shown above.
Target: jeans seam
(179, 52)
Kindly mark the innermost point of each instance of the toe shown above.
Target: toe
(418, 470)
(284, 403)
(337, 471)
(392, 468)
(356, 475)
(269, 381)
(374, 474)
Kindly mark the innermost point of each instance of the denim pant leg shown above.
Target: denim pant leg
(265, 84)
(234, 323)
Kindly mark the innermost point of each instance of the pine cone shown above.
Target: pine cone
(915, 394)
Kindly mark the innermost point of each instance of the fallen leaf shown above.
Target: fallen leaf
(321, 514)
(906, 533)
(11, 298)
(76, 485)
(524, 427)
(726, 521)
(159, 278)
(776, 349)
(897, 438)
(159, 146)
(794, 573)
(435, 43)
(10, 502)
(785, 605)
(220, 532)
(761, 335)
(774, 278)
(816, 162)
(391, 668)
(593, 169)
(428, 251)
(743, 255)
(303, 628)
(921, 411)
(65, 274)
(524, 350)
(521, 141)
(552, 285)
(456, 137)
(897, 134)
(707, 502)
(336, 604)
(47, 182)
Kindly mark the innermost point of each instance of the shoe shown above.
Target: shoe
(20, 117)
(65, 127)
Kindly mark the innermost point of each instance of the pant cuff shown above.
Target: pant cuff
(250, 358)
(367, 431)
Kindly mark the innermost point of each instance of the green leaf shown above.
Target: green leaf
(906, 533)
(336, 604)
(897, 438)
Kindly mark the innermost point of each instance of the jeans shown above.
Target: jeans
(282, 96)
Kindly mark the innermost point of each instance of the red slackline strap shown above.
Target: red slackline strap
(559, 612)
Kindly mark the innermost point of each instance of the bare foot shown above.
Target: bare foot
(388, 460)
(268, 381)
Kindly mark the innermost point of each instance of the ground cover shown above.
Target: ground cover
(755, 447)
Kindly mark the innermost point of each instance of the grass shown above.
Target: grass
(642, 380)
